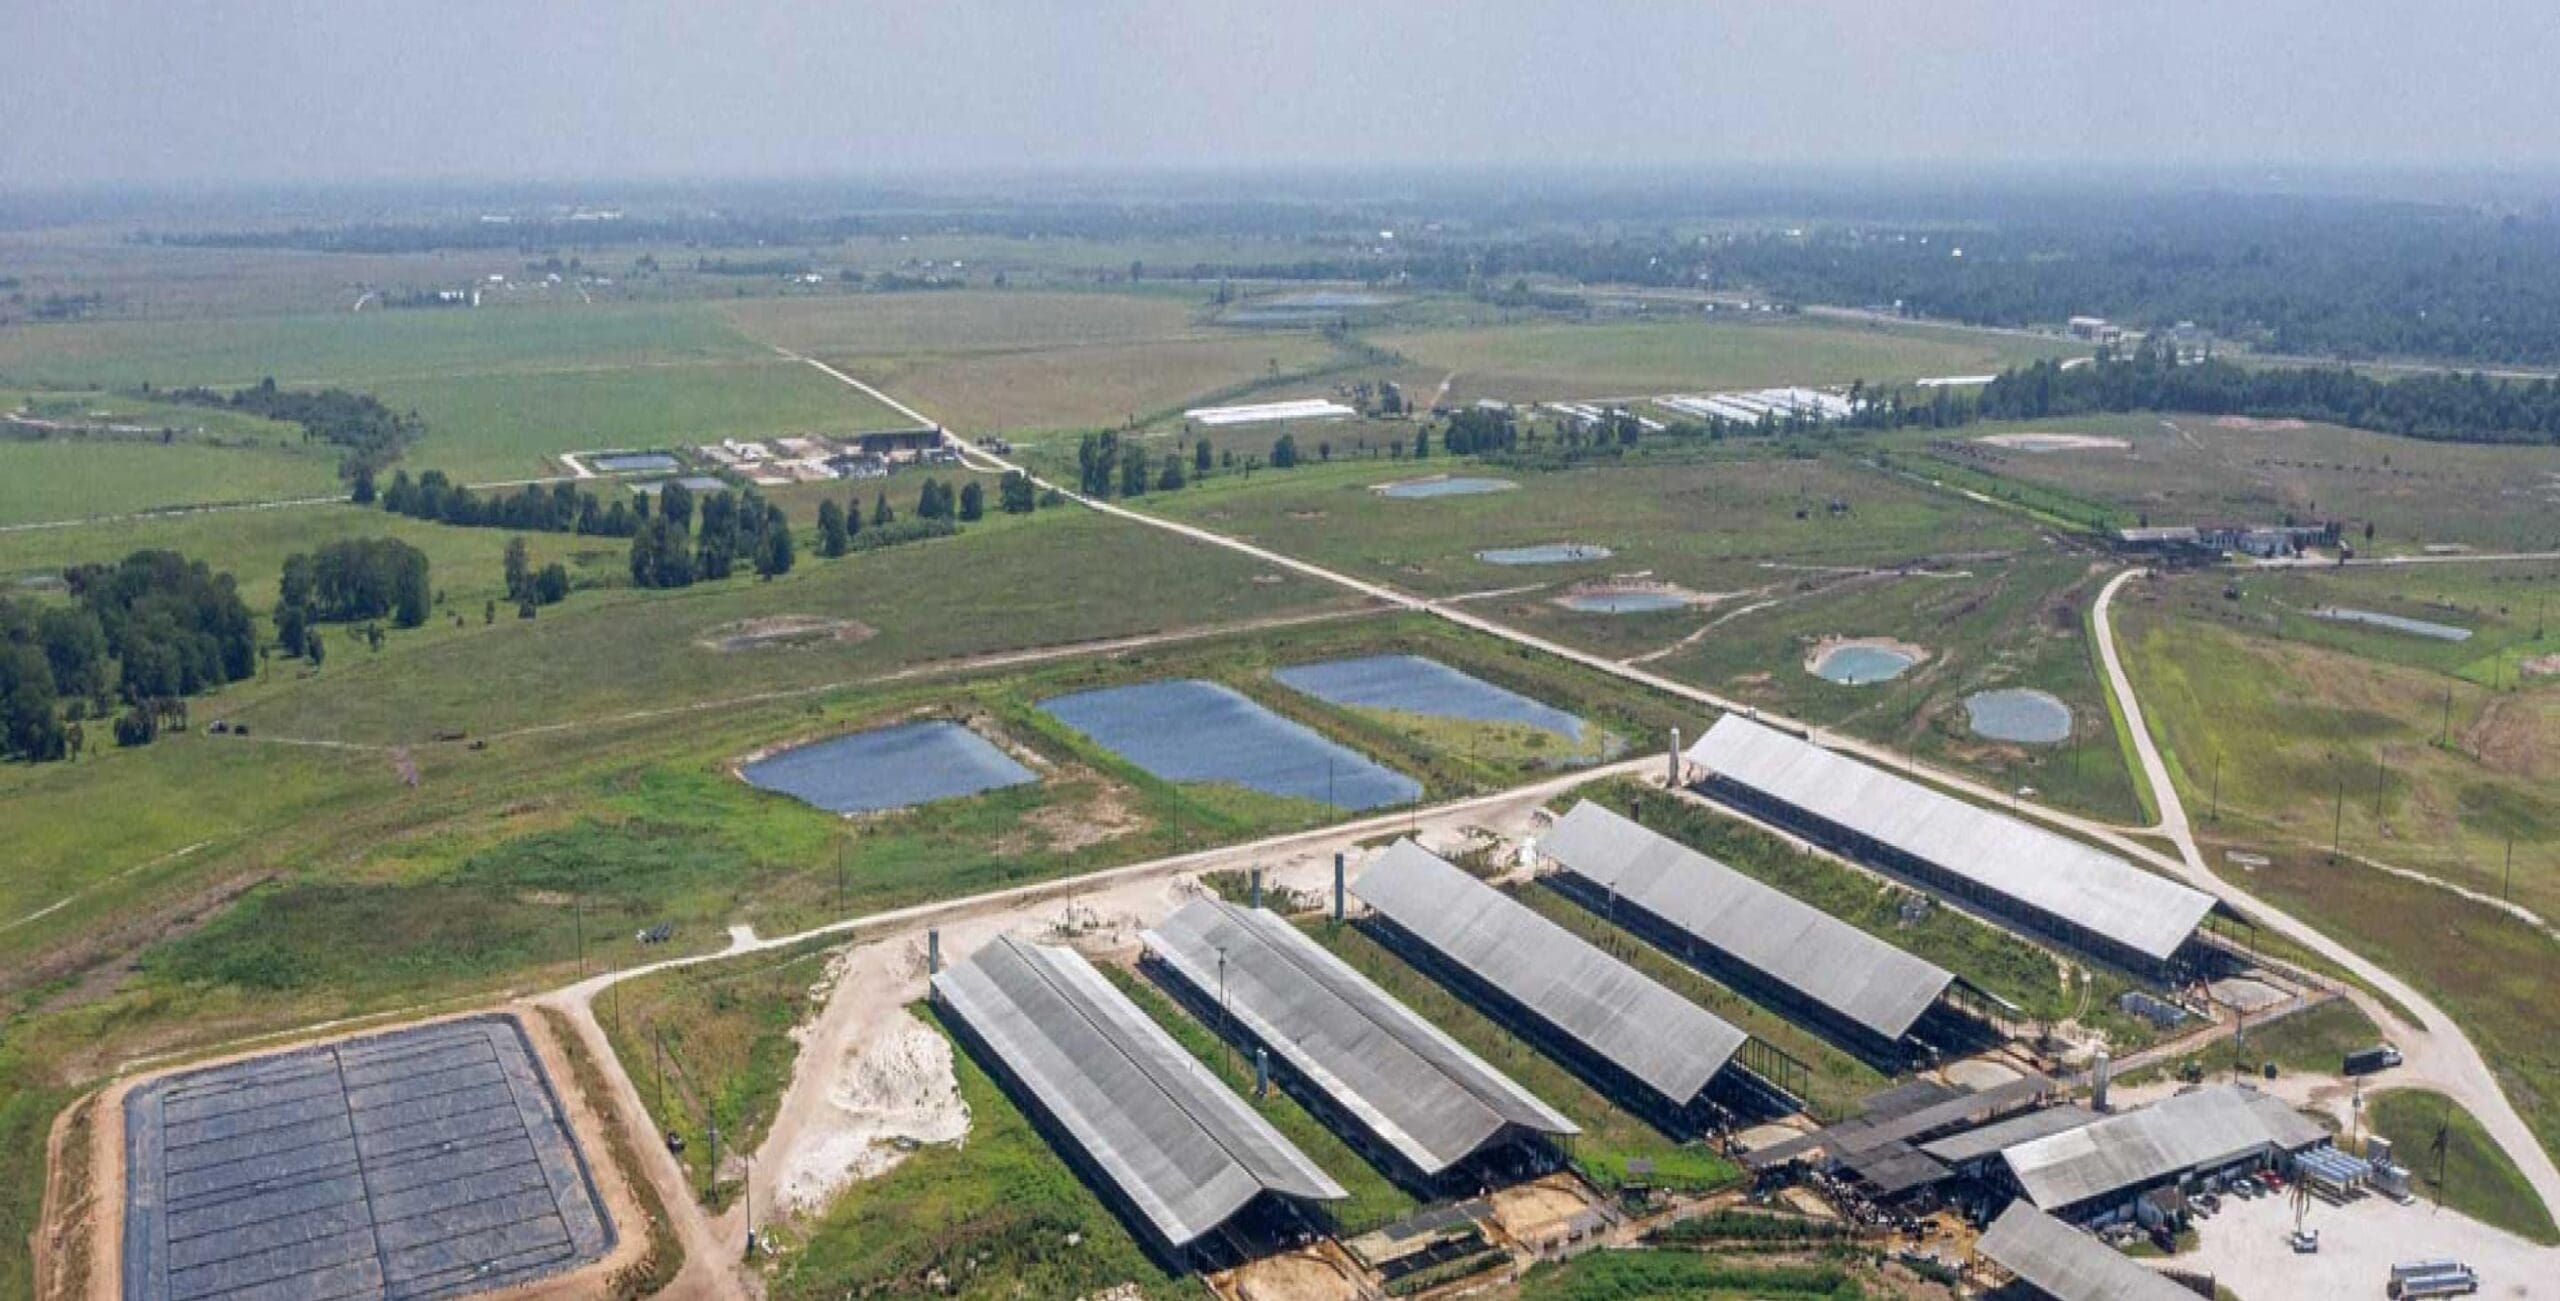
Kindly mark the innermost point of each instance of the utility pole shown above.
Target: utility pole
(839, 874)
(2507, 891)
(2377, 788)
(2338, 821)
(2444, 736)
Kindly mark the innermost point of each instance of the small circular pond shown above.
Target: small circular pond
(1857, 664)
(2018, 715)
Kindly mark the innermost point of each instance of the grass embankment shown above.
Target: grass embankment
(2472, 1176)
(998, 1215)
(1987, 957)
(665, 1256)
(713, 1044)
(1629, 1275)
(28, 1100)
(1374, 1200)
(1611, 1136)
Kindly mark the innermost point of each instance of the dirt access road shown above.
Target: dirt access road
(2438, 1052)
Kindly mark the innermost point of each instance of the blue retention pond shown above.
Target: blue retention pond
(1192, 731)
(1551, 553)
(632, 462)
(1414, 685)
(2017, 715)
(1451, 486)
(1623, 602)
(2394, 622)
(1859, 665)
(888, 768)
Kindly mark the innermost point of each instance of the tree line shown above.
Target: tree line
(149, 631)
(372, 435)
(669, 550)
(559, 508)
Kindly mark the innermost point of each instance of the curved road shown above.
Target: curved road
(2438, 1053)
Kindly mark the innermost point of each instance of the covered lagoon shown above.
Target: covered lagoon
(887, 768)
(1414, 685)
(1444, 486)
(1552, 553)
(2394, 622)
(1191, 731)
(2020, 716)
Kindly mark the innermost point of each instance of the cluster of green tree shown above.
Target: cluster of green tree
(940, 510)
(560, 508)
(371, 434)
(149, 630)
(669, 551)
(2468, 408)
(529, 587)
(348, 581)
(1481, 431)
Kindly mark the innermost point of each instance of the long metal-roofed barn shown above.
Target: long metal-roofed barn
(1658, 1050)
(1164, 1136)
(2095, 1171)
(2083, 897)
(1762, 941)
(1401, 1083)
(2051, 1259)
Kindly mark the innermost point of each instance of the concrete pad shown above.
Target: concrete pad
(2243, 1247)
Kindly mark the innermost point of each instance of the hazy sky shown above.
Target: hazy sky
(186, 90)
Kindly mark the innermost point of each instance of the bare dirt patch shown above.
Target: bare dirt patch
(782, 631)
(1538, 1211)
(2254, 423)
(1067, 827)
(2540, 666)
(1294, 1276)
(2041, 442)
(888, 1094)
(1306, 514)
(2510, 732)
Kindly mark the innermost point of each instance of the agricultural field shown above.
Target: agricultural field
(1546, 361)
(2420, 754)
(66, 479)
(2185, 469)
(1051, 390)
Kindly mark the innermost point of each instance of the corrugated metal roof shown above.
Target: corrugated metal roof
(1185, 1150)
(2068, 1265)
(1671, 1044)
(1413, 1087)
(1830, 962)
(1977, 1143)
(2207, 1128)
(2053, 874)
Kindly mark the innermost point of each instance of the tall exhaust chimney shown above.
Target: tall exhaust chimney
(1261, 1073)
(1337, 887)
(933, 952)
(1671, 778)
(1257, 887)
(2098, 1091)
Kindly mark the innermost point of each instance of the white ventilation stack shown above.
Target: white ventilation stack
(1257, 887)
(1671, 777)
(2098, 1090)
(1337, 887)
(933, 952)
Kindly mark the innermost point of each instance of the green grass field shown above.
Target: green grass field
(2323, 731)
(1547, 361)
(2188, 469)
(2476, 1178)
(66, 480)
(1629, 1275)
(500, 426)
